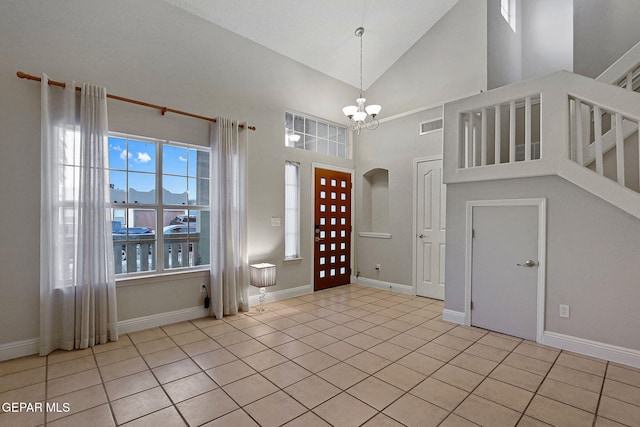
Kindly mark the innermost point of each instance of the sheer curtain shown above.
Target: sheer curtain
(77, 285)
(229, 259)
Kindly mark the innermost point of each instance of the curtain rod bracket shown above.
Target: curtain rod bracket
(163, 110)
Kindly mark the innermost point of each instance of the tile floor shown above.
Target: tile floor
(347, 356)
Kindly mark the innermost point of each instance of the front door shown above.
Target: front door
(332, 229)
(504, 271)
(430, 225)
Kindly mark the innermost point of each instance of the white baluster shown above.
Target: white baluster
(619, 149)
(597, 130)
(579, 137)
(512, 131)
(498, 136)
(630, 80)
(527, 128)
(471, 143)
(483, 143)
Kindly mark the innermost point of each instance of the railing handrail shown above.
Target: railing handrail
(628, 62)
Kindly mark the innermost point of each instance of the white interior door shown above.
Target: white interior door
(504, 271)
(430, 226)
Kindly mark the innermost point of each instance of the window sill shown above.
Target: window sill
(293, 259)
(375, 235)
(166, 276)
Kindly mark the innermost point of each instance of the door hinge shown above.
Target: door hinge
(471, 305)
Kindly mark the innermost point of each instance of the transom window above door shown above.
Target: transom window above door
(311, 134)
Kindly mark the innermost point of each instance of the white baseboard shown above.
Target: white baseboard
(19, 349)
(453, 316)
(379, 284)
(155, 320)
(282, 294)
(610, 352)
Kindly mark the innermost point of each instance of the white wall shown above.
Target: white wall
(504, 47)
(157, 53)
(592, 253)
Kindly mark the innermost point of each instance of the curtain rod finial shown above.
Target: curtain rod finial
(21, 75)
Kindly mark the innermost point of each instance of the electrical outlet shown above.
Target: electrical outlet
(564, 311)
(378, 267)
(203, 288)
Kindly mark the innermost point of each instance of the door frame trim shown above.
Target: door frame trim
(414, 255)
(314, 166)
(541, 204)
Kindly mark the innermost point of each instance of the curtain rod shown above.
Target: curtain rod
(163, 110)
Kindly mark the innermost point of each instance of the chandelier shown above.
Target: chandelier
(360, 116)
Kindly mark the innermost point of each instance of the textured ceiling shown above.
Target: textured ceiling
(320, 33)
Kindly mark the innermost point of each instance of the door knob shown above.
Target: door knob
(421, 235)
(528, 263)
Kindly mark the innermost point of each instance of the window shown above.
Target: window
(291, 210)
(308, 133)
(138, 167)
(508, 10)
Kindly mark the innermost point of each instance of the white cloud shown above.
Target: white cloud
(125, 155)
(143, 158)
(182, 159)
(115, 147)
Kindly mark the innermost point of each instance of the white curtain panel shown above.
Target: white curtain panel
(229, 259)
(77, 285)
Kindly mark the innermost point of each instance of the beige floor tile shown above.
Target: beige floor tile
(453, 342)
(345, 410)
(22, 379)
(247, 348)
(565, 393)
(537, 351)
(282, 323)
(275, 339)
(188, 387)
(316, 361)
(438, 325)
(468, 333)
(398, 325)
(230, 372)
(237, 418)
(557, 413)
(359, 325)
(206, 407)
(419, 362)
(275, 409)
(218, 329)
(259, 330)
(440, 394)
(341, 350)
(179, 328)
(505, 394)
(139, 404)
(164, 417)
(527, 421)
(69, 367)
(147, 335)
(73, 382)
(231, 338)
(264, 360)
(624, 375)
(245, 322)
(500, 342)
(368, 362)
(604, 422)
(343, 375)
(486, 413)
(340, 332)
(438, 351)
(176, 370)
(199, 347)
(576, 378)
(621, 391)
(122, 369)
(21, 364)
(98, 416)
(164, 357)
(526, 363)
(487, 352)
(339, 318)
(375, 392)
(130, 384)
(399, 376)
(389, 351)
(473, 363)
(516, 377)
(458, 377)
(412, 411)
(363, 341)
(117, 355)
(320, 324)
(77, 401)
(250, 389)
(423, 333)
(299, 331)
(318, 340)
(286, 374)
(454, 420)
(206, 322)
(189, 337)
(619, 411)
(407, 341)
(308, 419)
(64, 355)
(21, 419)
(214, 358)
(312, 391)
(382, 332)
(294, 349)
(30, 393)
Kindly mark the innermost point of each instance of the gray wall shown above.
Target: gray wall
(504, 47)
(157, 53)
(603, 31)
(592, 257)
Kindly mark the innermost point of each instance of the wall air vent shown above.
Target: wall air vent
(431, 126)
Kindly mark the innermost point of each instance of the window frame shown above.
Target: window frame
(292, 213)
(159, 207)
(304, 134)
